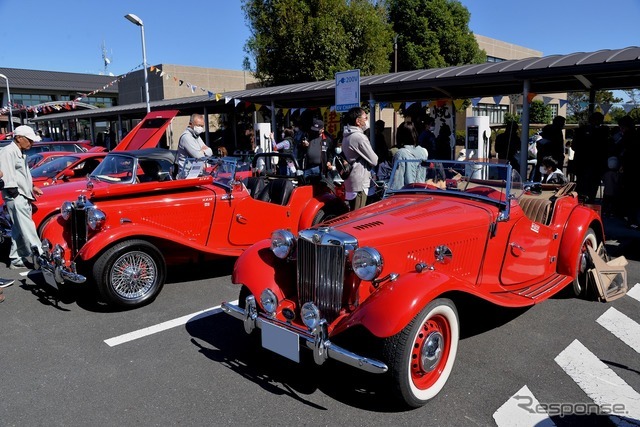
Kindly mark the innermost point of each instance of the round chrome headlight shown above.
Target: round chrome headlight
(95, 218)
(310, 315)
(367, 263)
(282, 243)
(66, 209)
(269, 301)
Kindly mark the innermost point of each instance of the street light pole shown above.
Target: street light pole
(137, 21)
(9, 102)
(395, 70)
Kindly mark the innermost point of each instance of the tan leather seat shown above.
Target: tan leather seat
(536, 208)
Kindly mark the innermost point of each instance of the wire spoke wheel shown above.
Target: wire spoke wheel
(130, 273)
(133, 274)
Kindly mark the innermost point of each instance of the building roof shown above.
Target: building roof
(36, 80)
(604, 69)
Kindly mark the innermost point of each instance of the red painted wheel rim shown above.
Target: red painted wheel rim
(438, 324)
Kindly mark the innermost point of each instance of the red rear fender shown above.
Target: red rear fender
(329, 202)
(580, 220)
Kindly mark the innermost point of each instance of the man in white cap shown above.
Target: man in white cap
(18, 193)
(3, 282)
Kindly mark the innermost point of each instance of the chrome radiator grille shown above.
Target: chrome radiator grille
(322, 255)
(78, 224)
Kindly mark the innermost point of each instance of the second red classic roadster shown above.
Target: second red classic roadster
(121, 238)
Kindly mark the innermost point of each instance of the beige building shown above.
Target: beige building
(168, 81)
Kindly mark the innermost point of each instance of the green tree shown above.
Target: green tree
(295, 41)
(578, 104)
(433, 34)
(539, 113)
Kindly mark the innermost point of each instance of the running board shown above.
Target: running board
(541, 290)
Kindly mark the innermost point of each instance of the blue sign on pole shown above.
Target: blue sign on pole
(347, 90)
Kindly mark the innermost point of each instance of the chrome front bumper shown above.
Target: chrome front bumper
(317, 341)
(53, 266)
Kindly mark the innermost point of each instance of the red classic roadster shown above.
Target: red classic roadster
(396, 270)
(122, 237)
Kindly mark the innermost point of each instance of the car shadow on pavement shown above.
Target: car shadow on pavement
(83, 295)
(478, 316)
(222, 339)
(205, 269)
(86, 296)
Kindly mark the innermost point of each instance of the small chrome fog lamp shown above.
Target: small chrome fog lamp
(310, 315)
(58, 252)
(46, 246)
(269, 301)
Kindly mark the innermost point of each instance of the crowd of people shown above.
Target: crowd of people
(598, 159)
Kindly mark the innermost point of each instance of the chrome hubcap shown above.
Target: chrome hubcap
(431, 351)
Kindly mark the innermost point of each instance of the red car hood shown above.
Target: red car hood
(148, 132)
(406, 217)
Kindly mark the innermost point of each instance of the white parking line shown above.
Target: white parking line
(140, 333)
(518, 412)
(599, 381)
(622, 327)
(635, 292)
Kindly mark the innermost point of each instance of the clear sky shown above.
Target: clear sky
(68, 35)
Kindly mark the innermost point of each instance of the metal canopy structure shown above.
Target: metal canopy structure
(584, 71)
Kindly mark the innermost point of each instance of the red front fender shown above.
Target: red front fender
(257, 268)
(389, 309)
(580, 220)
(106, 238)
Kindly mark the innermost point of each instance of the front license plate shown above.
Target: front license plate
(281, 341)
(49, 279)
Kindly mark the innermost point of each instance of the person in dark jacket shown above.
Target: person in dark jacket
(630, 175)
(317, 150)
(590, 145)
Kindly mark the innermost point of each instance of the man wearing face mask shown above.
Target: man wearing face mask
(190, 144)
(358, 151)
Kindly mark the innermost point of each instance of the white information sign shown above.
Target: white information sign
(347, 90)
